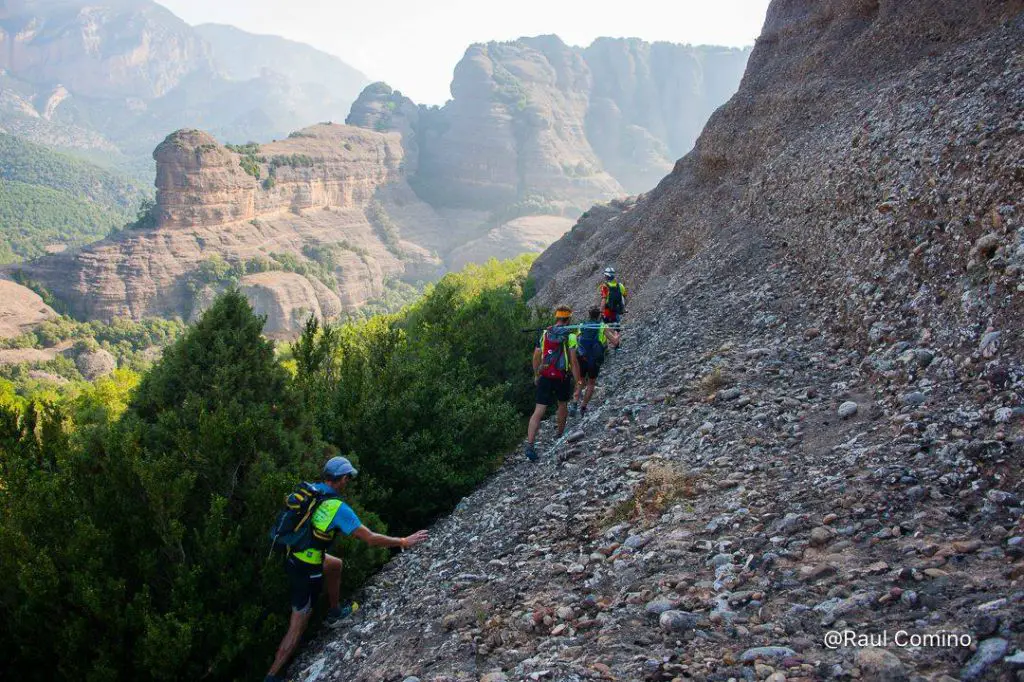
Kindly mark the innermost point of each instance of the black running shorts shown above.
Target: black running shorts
(588, 369)
(551, 390)
(304, 583)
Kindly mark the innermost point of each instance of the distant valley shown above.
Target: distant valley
(111, 78)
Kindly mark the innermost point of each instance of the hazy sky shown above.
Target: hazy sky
(415, 44)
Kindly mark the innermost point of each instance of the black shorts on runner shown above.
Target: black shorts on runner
(304, 583)
(588, 369)
(552, 390)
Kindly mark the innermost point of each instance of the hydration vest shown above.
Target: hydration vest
(616, 303)
(554, 352)
(591, 341)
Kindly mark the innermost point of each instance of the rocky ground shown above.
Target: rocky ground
(742, 487)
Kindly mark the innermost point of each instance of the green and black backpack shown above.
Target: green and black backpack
(293, 529)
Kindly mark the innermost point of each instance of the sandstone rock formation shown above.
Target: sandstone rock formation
(513, 130)
(21, 309)
(95, 363)
(320, 201)
(534, 121)
(287, 300)
(539, 130)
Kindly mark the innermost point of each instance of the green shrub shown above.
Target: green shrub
(384, 227)
(427, 399)
(248, 149)
(147, 216)
(164, 486)
(292, 161)
(158, 568)
(251, 166)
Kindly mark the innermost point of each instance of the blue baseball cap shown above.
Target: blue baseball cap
(337, 467)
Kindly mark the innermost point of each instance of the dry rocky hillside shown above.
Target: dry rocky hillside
(22, 310)
(817, 421)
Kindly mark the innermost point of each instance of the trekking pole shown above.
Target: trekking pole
(611, 325)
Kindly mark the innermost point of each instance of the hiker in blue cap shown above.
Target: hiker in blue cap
(308, 563)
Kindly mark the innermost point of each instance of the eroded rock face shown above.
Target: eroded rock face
(649, 102)
(535, 120)
(285, 298)
(380, 108)
(95, 363)
(200, 182)
(305, 200)
(21, 309)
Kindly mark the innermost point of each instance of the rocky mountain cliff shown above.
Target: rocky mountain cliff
(817, 420)
(310, 224)
(537, 131)
(113, 76)
(536, 123)
(503, 169)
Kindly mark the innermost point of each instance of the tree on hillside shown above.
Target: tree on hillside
(158, 568)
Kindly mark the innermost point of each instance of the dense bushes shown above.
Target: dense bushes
(133, 518)
(426, 400)
(130, 342)
(157, 566)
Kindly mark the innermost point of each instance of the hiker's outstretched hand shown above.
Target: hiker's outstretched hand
(415, 539)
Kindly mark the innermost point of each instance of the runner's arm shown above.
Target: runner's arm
(536, 361)
(378, 540)
(575, 361)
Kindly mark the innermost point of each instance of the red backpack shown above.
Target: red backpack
(554, 352)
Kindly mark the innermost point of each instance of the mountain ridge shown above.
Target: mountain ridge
(545, 118)
(103, 75)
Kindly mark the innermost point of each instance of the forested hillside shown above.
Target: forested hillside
(48, 198)
(170, 479)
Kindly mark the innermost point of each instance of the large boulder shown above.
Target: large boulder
(286, 298)
(21, 309)
(95, 363)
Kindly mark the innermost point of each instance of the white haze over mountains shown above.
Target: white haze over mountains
(415, 44)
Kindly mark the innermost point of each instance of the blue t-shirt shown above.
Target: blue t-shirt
(334, 514)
